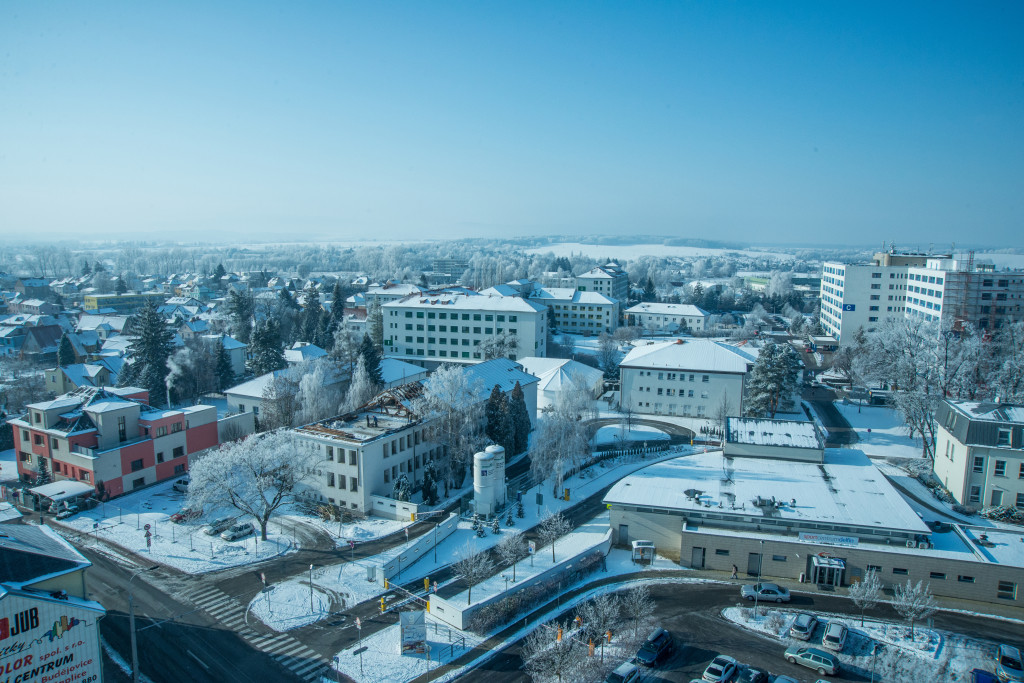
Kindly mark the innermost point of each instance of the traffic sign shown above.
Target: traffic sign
(532, 547)
(359, 623)
(359, 651)
(263, 578)
(145, 526)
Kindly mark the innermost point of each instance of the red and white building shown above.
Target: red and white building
(111, 439)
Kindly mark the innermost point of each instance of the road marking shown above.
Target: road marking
(201, 662)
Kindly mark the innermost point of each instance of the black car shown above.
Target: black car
(657, 645)
(752, 675)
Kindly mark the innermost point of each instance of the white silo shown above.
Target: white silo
(483, 483)
(499, 473)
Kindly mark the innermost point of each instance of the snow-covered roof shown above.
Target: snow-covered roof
(499, 371)
(1006, 413)
(254, 388)
(62, 490)
(765, 432)
(393, 371)
(59, 402)
(690, 354)
(570, 295)
(108, 404)
(465, 302)
(667, 309)
(847, 489)
(554, 374)
(303, 351)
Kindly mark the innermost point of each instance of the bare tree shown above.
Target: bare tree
(638, 606)
(544, 653)
(598, 616)
(867, 592)
(608, 355)
(914, 602)
(511, 548)
(455, 409)
(563, 437)
(552, 528)
(473, 566)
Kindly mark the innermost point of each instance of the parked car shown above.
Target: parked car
(1008, 664)
(803, 626)
(67, 512)
(786, 679)
(834, 637)
(752, 675)
(624, 673)
(238, 531)
(181, 485)
(813, 658)
(982, 676)
(185, 514)
(218, 525)
(721, 669)
(769, 592)
(657, 645)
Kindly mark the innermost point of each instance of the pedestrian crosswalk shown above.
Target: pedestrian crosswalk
(306, 664)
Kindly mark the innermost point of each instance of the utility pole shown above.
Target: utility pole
(131, 623)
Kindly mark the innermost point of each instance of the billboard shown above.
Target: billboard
(414, 631)
(46, 640)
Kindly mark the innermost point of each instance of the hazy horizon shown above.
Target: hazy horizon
(787, 124)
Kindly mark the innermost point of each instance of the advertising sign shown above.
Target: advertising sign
(413, 626)
(828, 539)
(48, 641)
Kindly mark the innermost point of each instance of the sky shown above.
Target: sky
(759, 122)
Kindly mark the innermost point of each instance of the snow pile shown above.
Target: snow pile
(930, 655)
(288, 605)
(182, 546)
(616, 435)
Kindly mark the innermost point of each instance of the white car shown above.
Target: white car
(835, 637)
(238, 531)
(721, 669)
(181, 485)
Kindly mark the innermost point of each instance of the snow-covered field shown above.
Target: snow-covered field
(616, 435)
(347, 582)
(888, 436)
(635, 251)
(931, 656)
(8, 466)
(182, 546)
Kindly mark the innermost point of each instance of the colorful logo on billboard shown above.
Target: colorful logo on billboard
(61, 627)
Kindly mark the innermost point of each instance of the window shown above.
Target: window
(1006, 590)
(874, 568)
(330, 479)
(353, 485)
(778, 558)
(997, 498)
(37, 439)
(1000, 468)
(899, 570)
(720, 551)
(937, 575)
(160, 431)
(979, 464)
(24, 435)
(179, 469)
(975, 496)
(160, 456)
(176, 427)
(138, 483)
(705, 378)
(85, 476)
(178, 452)
(330, 453)
(137, 465)
(122, 429)
(1003, 437)
(241, 407)
(965, 579)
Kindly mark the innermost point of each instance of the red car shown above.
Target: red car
(184, 515)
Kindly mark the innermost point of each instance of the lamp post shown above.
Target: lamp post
(311, 590)
(506, 589)
(131, 623)
(757, 587)
(874, 653)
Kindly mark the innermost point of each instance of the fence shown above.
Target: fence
(420, 547)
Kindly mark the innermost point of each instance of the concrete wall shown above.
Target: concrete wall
(390, 508)
(777, 452)
(419, 548)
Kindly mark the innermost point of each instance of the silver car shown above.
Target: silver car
(238, 531)
(767, 592)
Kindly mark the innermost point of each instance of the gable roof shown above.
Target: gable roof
(690, 354)
(29, 553)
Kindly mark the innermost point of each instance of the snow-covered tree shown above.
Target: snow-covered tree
(520, 416)
(318, 392)
(597, 616)
(866, 593)
(370, 353)
(430, 477)
(280, 406)
(149, 352)
(913, 602)
(241, 308)
(266, 354)
(312, 311)
(361, 389)
(552, 528)
(544, 655)
(638, 606)
(65, 352)
(256, 476)
(401, 488)
(473, 566)
(564, 434)
(225, 373)
(375, 323)
(511, 548)
(499, 346)
(772, 380)
(499, 420)
(608, 356)
(454, 409)
(345, 349)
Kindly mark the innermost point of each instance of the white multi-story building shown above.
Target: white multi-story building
(365, 451)
(684, 377)
(956, 291)
(667, 317)
(435, 328)
(861, 296)
(609, 279)
(576, 312)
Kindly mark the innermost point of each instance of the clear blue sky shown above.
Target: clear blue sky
(837, 122)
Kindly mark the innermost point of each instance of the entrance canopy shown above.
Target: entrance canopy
(62, 490)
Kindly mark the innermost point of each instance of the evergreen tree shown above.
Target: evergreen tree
(98, 267)
(149, 352)
(219, 272)
(430, 483)
(520, 418)
(499, 420)
(122, 286)
(65, 352)
(650, 294)
(241, 308)
(371, 356)
(225, 374)
(267, 354)
(312, 311)
(286, 300)
(375, 323)
(86, 268)
(44, 472)
(401, 489)
(772, 380)
(325, 335)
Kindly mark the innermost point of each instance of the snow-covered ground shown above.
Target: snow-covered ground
(8, 466)
(182, 546)
(360, 530)
(635, 251)
(291, 604)
(347, 582)
(888, 435)
(931, 656)
(616, 435)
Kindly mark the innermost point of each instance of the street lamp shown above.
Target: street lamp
(874, 653)
(131, 622)
(757, 587)
(311, 590)
(504, 576)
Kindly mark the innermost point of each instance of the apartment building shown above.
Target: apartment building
(667, 317)
(120, 303)
(579, 312)
(857, 296)
(952, 292)
(434, 328)
(110, 439)
(684, 377)
(979, 452)
(609, 280)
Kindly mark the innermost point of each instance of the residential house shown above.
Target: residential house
(667, 318)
